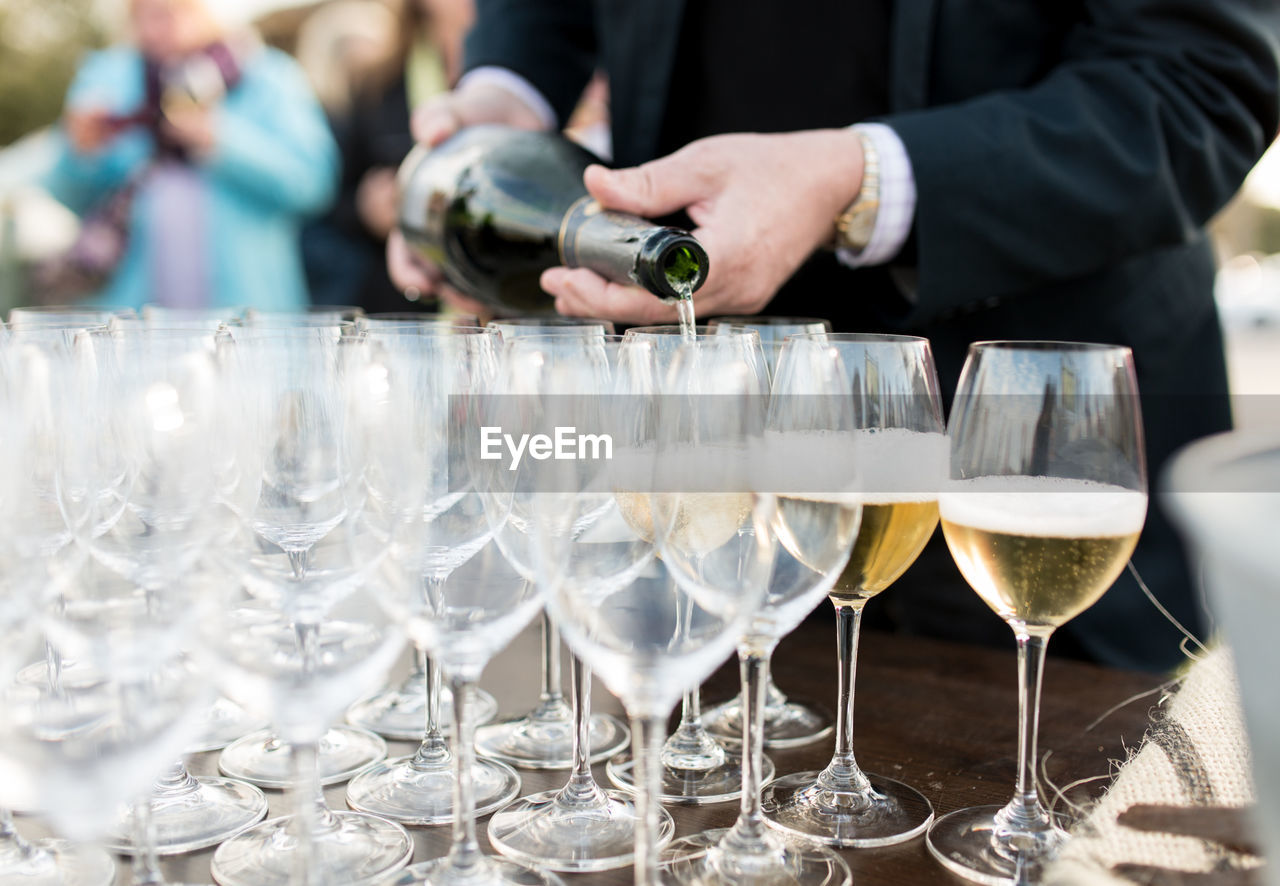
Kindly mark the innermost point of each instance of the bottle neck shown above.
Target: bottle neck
(628, 249)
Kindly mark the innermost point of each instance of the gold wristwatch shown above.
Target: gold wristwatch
(855, 225)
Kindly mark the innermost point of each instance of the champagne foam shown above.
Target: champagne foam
(1044, 507)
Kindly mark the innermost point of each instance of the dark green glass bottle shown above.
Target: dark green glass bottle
(493, 207)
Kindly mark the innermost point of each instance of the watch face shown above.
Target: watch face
(860, 227)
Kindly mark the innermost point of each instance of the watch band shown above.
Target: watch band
(856, 224)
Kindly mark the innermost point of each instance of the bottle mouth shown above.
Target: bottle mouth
(679, 266)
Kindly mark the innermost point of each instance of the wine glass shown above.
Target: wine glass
(261, 757)
(568, 381)
(307, 639)
(810, 422)
(137, 482)
(697, 769)
(900, 447)
(787, 723)
(1047, 497)
(543, 737)
(421, 491)
(662, 627)
(41, 861)
(468, 618)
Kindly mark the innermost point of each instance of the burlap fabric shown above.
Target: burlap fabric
(1194, 754)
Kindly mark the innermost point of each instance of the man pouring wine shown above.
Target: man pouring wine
(993, 171)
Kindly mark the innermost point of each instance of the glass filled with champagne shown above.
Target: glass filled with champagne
(1047, 497)
(896, 438)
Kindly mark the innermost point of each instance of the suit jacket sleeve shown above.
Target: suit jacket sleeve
(551, 43)
(1148, 125)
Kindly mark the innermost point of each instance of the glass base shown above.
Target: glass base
(489, 871)
(354, 850)
(963, 842)
(798, 806)
(216, 809)
(397, 790)
(58, 863)
(537, 830)
(533, 743)
(788, 725)
(224, 723)
(692, 787)
(400, 712)
(261, 758)
(699, 861)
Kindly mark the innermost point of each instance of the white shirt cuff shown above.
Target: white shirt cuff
(509, 81)
(897, 199)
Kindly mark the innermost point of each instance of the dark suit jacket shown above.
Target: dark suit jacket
(1067, 156)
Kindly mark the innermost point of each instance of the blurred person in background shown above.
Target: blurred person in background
(192, 155)
(424, 60)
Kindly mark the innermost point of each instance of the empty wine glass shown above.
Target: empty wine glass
(420, 488)
(568, 381)
(658, 630)
(47, 862)
(1047, 497)
(137, 482)
(399, 711)
(467, 619)
(810, 422)
(543, 738)
(307, 641)
(900, 448)
(787, 723)
(262, 757)
(698, 769)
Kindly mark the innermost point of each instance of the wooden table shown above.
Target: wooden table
(939, 716)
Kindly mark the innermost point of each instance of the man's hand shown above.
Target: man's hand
(762, 204)
(432, 123)
(376, 201)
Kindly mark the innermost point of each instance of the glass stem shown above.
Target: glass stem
(691, 747)
(749, 832)
(433, 751)
(551, 692)
(581, 792)
(309, 809)
(176, 782)
(464, 853)
(646, 747)
(1025, 811)
(15, 852)
(146, 863)
(53, 669)
(308, 804)
(842, 773)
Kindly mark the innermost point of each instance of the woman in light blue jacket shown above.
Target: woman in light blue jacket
(208, 154)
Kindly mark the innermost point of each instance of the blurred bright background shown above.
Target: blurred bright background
(41, 41)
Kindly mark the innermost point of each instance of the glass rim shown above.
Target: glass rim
(700, 332)
(1037, 344)
(443, 330)
(861, 338)
(770, 320)
(551, 320)
(567, 340)
(308, 310)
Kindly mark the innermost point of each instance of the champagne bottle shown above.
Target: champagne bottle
(493, 207)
